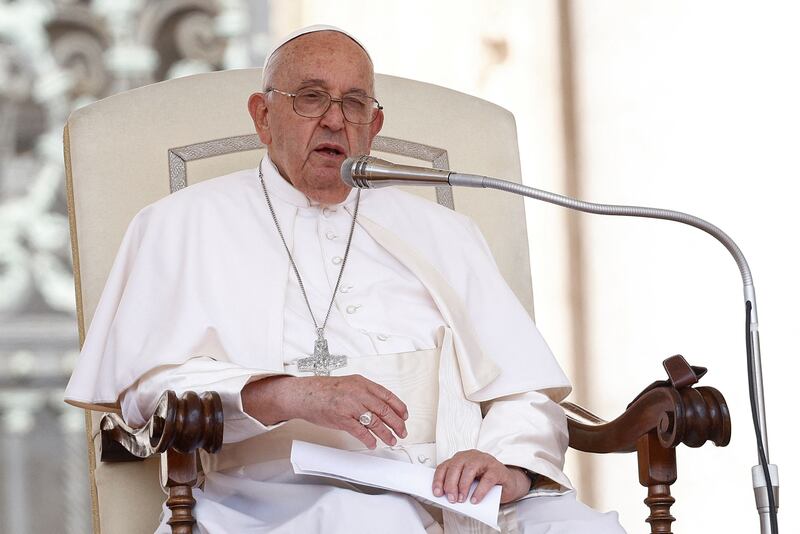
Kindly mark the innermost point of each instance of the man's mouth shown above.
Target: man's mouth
(330, 150)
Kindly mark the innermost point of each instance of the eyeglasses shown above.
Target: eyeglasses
(313, 103)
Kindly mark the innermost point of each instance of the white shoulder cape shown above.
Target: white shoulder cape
(202, 272)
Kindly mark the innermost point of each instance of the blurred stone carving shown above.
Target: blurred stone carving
(55, 56)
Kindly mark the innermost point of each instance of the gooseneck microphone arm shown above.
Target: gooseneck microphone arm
(471, 180)
(369, 172)
(764, 475)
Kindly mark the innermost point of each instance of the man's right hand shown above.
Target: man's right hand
(329, 401)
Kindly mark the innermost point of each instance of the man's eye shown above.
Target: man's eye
(355, 103)
(311, 97)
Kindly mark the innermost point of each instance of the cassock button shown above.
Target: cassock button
(326, 212)
(347, 288)
(330, 235)
(422, 458)
(383, 337)
(353, 308)
(336, 260)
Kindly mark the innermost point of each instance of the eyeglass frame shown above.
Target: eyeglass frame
(331, 100)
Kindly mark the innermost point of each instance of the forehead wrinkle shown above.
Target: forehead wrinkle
(329, 42)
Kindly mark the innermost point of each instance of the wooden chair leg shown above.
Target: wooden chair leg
(178, 429)
(659, 501)
(181, 503)
(181, 478)
(657, 471)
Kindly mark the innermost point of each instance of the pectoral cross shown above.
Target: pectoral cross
(322, 362)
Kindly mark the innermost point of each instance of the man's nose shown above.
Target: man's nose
(333, 118)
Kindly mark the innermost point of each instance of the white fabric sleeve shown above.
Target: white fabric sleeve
(527, 430)
(200, 374)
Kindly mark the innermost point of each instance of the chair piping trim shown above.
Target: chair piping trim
(437, 157)
(227, 145)
(179, 156)
(76, 268)
(92, 468)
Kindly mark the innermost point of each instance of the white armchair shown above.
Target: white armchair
(129, 150)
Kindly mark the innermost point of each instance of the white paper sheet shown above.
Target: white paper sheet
(415, 480)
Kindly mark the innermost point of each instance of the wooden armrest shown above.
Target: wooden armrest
(681, 414)
(183, 425)
(178, 428)
(664, 415)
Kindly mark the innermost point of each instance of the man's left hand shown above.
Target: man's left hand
(454, 477)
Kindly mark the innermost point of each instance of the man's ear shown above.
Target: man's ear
(376, 125)
(257, 106)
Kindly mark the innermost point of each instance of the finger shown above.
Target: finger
(386, 414)
(389, 398)
(451, 480)
(360, 432)
(438, 478)
(379, 428)
(487, 482)
(468, 474)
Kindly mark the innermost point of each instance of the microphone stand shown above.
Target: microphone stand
(764, 475)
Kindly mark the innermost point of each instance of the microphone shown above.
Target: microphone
(367, 172)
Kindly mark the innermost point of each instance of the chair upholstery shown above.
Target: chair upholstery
(133, 148)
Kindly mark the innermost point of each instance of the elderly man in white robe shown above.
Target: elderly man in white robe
(375, 322)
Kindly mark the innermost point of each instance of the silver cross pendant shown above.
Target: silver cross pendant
(322, 362)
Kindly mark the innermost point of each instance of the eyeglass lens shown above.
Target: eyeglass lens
(358, 109)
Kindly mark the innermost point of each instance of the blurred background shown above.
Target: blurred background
(689, 105)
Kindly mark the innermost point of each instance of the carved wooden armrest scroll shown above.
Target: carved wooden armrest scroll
(666, 414)
(178, 428)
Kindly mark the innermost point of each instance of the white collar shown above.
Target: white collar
(280, 188)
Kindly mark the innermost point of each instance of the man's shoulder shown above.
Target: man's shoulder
(213, 190)
(446, 237)
(417, 210)
(207, 198)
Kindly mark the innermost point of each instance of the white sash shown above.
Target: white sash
(463, 367)
(412, 376)
(440, 417)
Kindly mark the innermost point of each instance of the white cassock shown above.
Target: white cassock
(201, 297)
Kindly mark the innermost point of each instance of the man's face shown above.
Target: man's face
(309, 151)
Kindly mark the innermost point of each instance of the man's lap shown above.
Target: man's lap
(563, 514)
(278, 501)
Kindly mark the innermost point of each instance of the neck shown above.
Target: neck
(323, 197)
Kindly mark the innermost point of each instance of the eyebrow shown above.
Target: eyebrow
(310, 82)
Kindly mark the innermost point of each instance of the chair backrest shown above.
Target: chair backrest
(133, 148)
